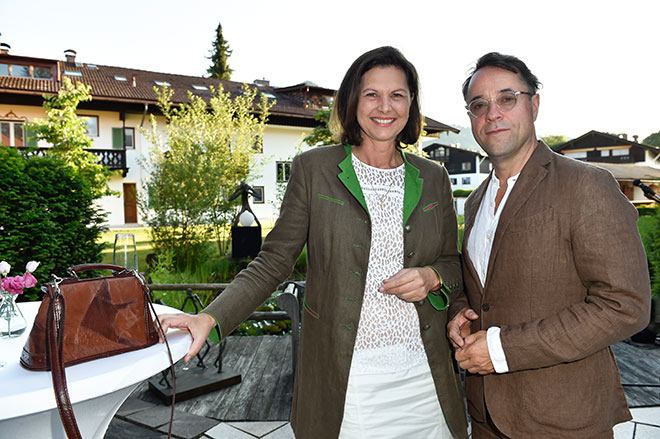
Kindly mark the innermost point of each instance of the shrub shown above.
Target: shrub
(462, 193)
(47, 214)
(645, 210)
(649, 228)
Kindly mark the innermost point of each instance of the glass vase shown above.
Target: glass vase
(12, 322)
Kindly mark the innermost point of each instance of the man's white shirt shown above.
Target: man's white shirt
(479, 247)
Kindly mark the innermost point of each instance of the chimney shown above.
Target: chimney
(70, 55)
(4, 48)
(623, 136)
(635, 137)
(134, 83)
(262, 82)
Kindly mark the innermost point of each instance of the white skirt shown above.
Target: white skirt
(393, 405)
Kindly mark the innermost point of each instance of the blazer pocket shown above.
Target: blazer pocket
(330, 199)
(430, 207)
(309, 309)
(531, 222)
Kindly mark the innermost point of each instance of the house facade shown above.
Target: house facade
(122, 105)
(628, 160)
(467, 168)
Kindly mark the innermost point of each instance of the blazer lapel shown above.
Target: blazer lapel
(412, 189)
(533, 172)
(349, 179)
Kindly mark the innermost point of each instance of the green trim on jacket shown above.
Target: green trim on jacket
(412, 186)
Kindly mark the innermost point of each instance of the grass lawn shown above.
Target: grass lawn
(142, 241)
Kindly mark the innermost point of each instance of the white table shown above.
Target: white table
(97, 388)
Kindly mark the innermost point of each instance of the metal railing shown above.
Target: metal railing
(113, 159)
(217, 288)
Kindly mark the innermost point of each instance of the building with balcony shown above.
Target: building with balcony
(123, 102)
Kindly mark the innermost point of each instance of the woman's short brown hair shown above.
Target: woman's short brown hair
(343, 120)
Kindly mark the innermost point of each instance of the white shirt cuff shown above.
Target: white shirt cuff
(495, 350)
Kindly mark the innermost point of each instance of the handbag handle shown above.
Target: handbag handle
(54, 333)
(84, 267)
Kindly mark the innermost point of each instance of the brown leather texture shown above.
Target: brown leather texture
(103, 317)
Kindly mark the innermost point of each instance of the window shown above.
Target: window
(25, 71)
(42, 73)
(577, 155)
(92, 123)
(466, 166)
(620, 152)
(129, 138)
(121, 78)
(258, 146)
(466, 180)
(283, 171)
(13, 133)
(259, 198)
(72, 73)
(165, 83)
(604, 152)
(453, 181)
(20, 71)
(200, 87)
(123, 138)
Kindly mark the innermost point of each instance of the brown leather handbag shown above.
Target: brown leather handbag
(86, 319)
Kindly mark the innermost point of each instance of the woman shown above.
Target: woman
(381, 238)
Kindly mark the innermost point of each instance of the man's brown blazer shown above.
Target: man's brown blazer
(325, 208)
(567, 278)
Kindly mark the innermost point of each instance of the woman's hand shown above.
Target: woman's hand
(199, 326)
(411, 284)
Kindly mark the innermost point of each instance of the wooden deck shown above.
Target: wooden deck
(266, 389)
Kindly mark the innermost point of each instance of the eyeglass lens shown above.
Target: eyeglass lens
(505, 101)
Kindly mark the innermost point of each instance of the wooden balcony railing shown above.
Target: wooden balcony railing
(114, 159)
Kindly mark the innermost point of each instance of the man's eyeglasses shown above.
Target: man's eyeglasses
(505, 101)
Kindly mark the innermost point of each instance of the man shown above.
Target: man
(555, 272)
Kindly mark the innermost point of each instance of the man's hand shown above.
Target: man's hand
(411, 284)
(459, 327)
(199, 326)
(474, 356)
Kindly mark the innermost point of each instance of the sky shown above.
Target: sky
(598, 60)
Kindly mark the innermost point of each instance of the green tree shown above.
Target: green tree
(47, 214)
(321, 134)
(554, 140)
(197, 160)
(653, 139)
(220, 53)
(66, 132)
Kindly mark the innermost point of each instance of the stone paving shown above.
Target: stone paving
(144, 420)
(140, 419)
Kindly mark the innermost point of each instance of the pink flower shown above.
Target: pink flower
(13, 284)
(28, 280)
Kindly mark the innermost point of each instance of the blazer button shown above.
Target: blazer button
(426, 326)
(411, 254)
(421, 302)
(485, 307)
(408, 228)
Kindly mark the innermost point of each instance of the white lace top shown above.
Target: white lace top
(388, 336)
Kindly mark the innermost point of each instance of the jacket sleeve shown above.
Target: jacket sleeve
(611, 265)
(447, 265)
(274, 263)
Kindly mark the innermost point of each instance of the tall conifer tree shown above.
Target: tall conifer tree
(220, 52)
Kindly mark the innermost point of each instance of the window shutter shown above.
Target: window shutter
(117, 138)
(30, 137)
